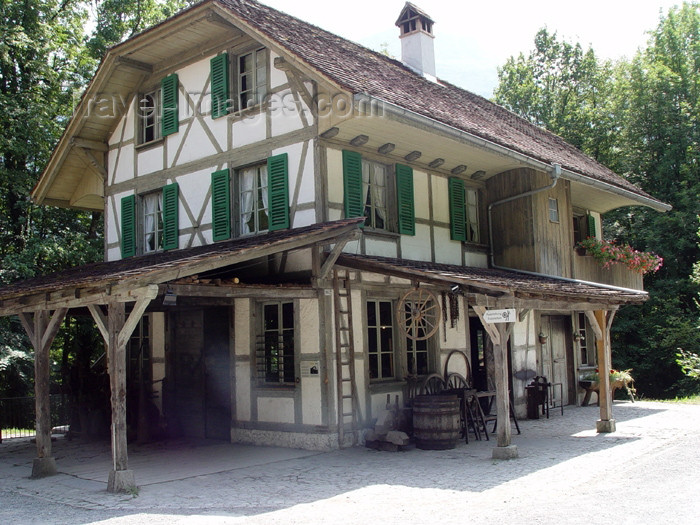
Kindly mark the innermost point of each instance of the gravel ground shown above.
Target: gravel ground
(646, 472)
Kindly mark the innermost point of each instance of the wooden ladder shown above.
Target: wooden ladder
(346, 386)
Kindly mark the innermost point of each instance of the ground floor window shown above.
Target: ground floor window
(586, 345)
(275, 353)
(139, 353)
(380, 339)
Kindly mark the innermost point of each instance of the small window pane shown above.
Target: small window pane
(553, 210)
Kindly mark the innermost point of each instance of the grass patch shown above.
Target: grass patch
(689, 400)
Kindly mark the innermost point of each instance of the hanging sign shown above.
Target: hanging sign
(500, 316)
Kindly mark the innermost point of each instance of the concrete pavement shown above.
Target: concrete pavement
(647, 471)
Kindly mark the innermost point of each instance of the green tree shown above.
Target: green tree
(565, 89)
(640, 119)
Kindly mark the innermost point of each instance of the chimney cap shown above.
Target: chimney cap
(410, 15)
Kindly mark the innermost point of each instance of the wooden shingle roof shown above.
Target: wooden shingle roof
(363, 71)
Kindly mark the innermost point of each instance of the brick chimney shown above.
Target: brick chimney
(417, 50)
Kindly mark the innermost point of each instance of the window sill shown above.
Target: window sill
(379, 386)
(148, 145)
(372, 232)
(272, 387)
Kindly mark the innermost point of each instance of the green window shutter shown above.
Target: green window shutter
(221, 205)
(458, 229)
(352, 184)
(170, 119)
(128, 212)
(404, 195)
(278, 192)
(591, 225)
(171, 231)
(219, 86)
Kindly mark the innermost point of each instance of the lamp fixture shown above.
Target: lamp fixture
(170, 298)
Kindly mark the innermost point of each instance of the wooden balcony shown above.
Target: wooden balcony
(587, 269)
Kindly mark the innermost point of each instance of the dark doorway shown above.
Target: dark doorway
(217, 375)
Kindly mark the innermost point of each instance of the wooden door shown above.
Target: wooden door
(555, 364)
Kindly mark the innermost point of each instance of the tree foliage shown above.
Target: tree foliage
(640, 118)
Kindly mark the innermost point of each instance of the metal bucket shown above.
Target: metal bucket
(436, 421)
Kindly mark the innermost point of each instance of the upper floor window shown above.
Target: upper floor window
(149, 117)
(260, 198)
(553, 210)
(471, 216)
(253, 199)
(275, 354)
(464, 211)
(374, 187)
(386, 202)
(152, 221)
(252, 78)
(158, 111)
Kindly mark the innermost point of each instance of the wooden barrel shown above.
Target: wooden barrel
(436, 421)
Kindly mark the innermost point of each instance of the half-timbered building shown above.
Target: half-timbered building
(295, 225)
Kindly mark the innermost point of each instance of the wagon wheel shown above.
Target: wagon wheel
(433, 384)
(468, 376)
(456, 380)
(419, 314)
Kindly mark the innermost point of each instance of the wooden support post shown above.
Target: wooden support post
(600, 321)
(499, 333)
(120, 478)
(42, 329)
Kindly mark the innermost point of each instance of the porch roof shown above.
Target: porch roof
(502, 288)
(98, 282)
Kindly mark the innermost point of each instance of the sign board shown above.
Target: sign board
(500, 316)
(310, 368)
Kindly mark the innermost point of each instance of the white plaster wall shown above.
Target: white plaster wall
(300, 165)
(193, 79)
(116, 135)
(441, 202)
(286, 112)
(150, 159)
(126, 124)
(121, 164)
(447, 251)
(242, 349)
(276, 410)
(420, 190)
(297, 261)
(308, 316)
(194, 191)
(189, 144)
(380, 247)
(417, 247)
(456, 337)
(304, 218)
(311, 413)
(249, 130)
(335, 177)
(478, 260)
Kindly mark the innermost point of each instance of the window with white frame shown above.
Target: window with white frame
(553, 210)
(149, 117)
(152, 221)
(586, 346)
(380, 339)
(253, 199)
(374, 186)
(252, 78)
(275, 352)
(138, 360)
(471, 203)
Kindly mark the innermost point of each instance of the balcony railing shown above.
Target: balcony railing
(587, 269)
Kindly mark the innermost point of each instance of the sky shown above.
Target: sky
(474, 38)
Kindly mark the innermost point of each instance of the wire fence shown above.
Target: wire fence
(18, 415)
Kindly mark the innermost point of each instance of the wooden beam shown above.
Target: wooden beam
(490, 328)
(500, 354)
(89, 144)
(133, 320)
(237, 291)
(134, 64)
(335, 253)
(100, 320)
(606, 422)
